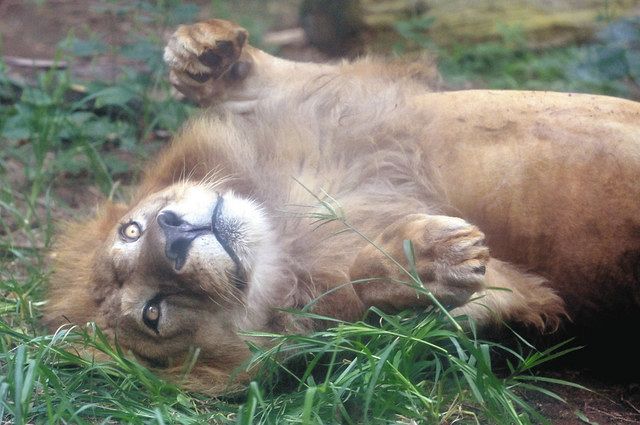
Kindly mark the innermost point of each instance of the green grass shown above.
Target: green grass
(390, 368)
(610, 65)
(387, 369)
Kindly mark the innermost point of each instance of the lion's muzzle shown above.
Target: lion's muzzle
(178, 236)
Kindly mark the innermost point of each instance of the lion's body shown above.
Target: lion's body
(551, 179)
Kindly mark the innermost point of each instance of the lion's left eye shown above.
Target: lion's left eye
(131, 231)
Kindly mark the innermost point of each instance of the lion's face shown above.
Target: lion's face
(174, 271)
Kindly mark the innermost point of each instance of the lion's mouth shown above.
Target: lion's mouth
(226, 232)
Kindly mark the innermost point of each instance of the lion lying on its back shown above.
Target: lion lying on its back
(216, 240)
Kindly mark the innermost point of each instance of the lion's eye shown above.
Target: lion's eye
(131, 231)
(151, 315)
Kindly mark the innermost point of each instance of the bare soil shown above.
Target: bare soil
(29, 29)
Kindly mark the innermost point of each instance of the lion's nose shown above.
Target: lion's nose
(169, 220)
(178, 236)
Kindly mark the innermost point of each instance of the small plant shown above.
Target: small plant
(414, 31)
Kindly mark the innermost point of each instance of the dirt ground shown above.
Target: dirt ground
(32, 29)
(604, 403)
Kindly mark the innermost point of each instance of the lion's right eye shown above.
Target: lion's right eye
(151, 315)
(131, 232)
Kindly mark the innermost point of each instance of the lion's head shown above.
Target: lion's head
(176, 270)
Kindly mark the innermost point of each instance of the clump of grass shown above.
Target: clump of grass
(410, 366)
(389, 368)
(44, 380)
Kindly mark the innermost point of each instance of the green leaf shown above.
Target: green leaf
(113, 96)
(580, 415)
(86, 48)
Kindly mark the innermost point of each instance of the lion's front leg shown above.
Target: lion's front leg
(452, 263)
(212, 63)
(208, 58)
(450, 259)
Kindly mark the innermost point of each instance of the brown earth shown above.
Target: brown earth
(33, 30)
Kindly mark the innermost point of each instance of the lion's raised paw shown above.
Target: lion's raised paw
(207, 50)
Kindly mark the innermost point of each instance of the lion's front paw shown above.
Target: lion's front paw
(449, 254)
(205, 51)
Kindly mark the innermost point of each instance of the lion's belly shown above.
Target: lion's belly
(552, 179)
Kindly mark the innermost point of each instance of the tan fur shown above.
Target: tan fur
(549, 179)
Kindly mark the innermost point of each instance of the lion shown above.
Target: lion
(299, 183)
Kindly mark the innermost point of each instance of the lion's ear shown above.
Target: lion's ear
(70, 294)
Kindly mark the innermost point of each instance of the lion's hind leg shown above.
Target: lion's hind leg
(511, 295)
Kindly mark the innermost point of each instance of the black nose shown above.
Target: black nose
(178, 236)
(169, 219)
